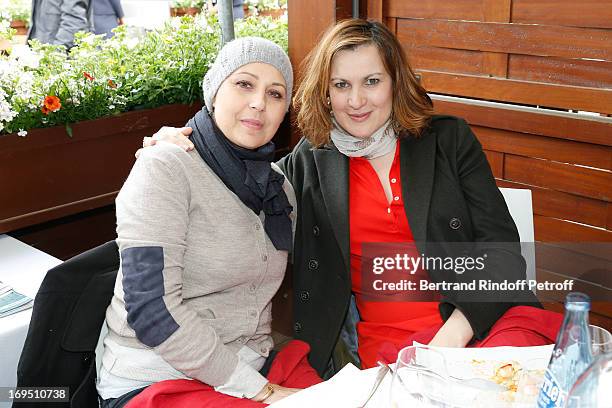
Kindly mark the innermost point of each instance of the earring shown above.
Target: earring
(328, 101)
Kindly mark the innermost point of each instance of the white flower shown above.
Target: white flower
(175, 23)
(73, 86)
(5, 67)
(22, 133)
(26, 57)
(111, 107)
(131, 42)
(89, 39)
(23, 87)
(6, 113)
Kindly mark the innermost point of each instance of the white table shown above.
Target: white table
(23, 267)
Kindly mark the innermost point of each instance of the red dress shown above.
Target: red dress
(374, 220)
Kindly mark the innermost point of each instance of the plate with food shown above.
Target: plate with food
(518, 370)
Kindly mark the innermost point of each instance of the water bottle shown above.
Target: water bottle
(592, 389)
(571, 355)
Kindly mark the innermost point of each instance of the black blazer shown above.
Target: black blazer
(449, 194)
(68, 314)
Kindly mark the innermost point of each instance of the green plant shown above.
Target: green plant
(15, 10)
(6, 32)
(263, 5)
(102, 77)
(188, 3)
(273, 29)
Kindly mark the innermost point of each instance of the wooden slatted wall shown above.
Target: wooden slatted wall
(548, 53)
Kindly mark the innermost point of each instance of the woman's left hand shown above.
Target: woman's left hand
(280, 393)
(456, 332)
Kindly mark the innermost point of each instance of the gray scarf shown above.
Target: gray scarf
(381, 142)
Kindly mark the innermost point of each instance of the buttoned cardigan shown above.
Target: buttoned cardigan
(197, 273)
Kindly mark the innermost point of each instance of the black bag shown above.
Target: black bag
(69, 310)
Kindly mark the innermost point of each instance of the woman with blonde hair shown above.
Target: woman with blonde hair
(377, 166)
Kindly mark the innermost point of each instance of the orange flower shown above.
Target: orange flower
(86, 75)
(112, 84)
(45, 111)
(52, 103)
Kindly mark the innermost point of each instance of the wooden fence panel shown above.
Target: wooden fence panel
(583, 13)
(507, 51)
(549, 229)
(594, 74)
(557, 204)
(452, 10)
(520, 92)
(564, 151)
(527, 39)
(586, 182)
(571, 180)
(561, 125)
(447, 60)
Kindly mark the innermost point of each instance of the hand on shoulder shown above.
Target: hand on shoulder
(176, 136)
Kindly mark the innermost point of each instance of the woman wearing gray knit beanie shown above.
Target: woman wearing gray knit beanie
(204, 237)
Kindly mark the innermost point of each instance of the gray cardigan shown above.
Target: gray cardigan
(197, 274)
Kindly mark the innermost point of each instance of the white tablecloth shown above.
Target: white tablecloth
(23, 267)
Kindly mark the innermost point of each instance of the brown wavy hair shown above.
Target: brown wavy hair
(411, 108)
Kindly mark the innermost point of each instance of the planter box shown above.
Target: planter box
(48, 175)
(184, 11)
(274, 13)
(20, 26)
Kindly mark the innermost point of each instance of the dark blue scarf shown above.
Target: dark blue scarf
(248, 174)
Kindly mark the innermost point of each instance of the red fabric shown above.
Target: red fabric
(290, 369)
(374, 220)
(520, 326)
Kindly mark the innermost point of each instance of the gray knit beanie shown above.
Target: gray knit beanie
(244, 51)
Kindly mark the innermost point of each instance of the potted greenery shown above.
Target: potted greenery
(186, 7)
(265, 8)
(69, 124)
(17, 12)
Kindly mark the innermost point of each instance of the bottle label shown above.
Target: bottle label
(552, 394)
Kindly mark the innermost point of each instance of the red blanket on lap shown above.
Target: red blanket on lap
(290, 369)
(520, 326)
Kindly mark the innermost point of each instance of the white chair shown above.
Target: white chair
(520, 206)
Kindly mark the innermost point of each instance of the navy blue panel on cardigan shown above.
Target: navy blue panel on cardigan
(143, 287)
